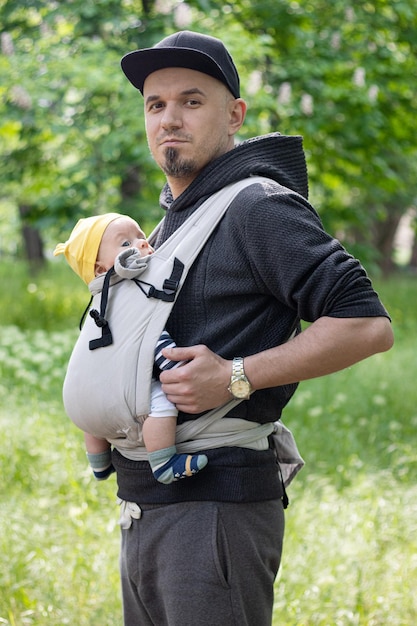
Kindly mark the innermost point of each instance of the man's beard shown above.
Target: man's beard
(176, 167)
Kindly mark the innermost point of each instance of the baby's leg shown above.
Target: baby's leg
(159, 432)
(168, 466)
(165, 341)
(99, 456)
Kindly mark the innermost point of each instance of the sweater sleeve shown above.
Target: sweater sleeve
(293, 257)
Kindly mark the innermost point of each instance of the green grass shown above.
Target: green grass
(350, 554)
(51, 299)
(59, 536)
(351, 543)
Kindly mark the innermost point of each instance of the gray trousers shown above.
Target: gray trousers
(202, 563)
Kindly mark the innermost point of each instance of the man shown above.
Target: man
(207, 552)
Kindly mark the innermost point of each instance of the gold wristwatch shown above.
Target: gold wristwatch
(239, 387)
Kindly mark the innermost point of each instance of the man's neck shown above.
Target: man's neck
(179, 185)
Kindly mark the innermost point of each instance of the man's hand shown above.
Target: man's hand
(199, 385)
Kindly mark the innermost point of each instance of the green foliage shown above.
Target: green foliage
(59, 533)
(350, 545)
(53, 299)
(339, 74)
(64, 136)
(72, 137)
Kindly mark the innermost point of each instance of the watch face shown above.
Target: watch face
(240, 389)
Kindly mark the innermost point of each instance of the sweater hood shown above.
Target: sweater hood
(276, 156)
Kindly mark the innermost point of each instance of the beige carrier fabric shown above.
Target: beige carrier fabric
(107, 390)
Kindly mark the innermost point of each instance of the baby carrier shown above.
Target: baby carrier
(118, 338)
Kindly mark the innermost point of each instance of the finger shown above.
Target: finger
(173, 376)
(180, 354)
(188, 408)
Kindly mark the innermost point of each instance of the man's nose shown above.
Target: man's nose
(171, 117)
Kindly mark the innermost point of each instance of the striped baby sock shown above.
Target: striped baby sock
(101, 464)
(168, 466)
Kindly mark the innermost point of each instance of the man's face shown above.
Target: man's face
(190, 119)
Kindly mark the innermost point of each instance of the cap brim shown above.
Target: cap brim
(139, 64)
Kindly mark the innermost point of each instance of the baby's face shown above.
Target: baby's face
(120, 234)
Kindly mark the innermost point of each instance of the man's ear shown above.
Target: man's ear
(237, 114)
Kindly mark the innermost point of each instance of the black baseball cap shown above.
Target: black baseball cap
(187, 49)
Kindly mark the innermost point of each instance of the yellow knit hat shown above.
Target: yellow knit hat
(81, 249)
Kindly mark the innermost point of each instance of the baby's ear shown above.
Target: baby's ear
(99, 269)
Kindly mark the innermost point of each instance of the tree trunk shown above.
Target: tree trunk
(33, 244)
(413, 260)
(384, 235)
(130, 185)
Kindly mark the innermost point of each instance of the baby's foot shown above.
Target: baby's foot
(168, 468)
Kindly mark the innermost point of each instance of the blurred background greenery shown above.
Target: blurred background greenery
(350, 555)
(72, 144)
(72, 138)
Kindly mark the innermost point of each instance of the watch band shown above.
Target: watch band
(238, 370)
(239, 386)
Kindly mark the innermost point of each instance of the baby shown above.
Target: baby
(91, 251)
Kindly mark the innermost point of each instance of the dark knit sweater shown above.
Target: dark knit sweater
(268, 265)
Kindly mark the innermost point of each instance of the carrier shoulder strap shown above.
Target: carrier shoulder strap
(187, 241)
(168, 266)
